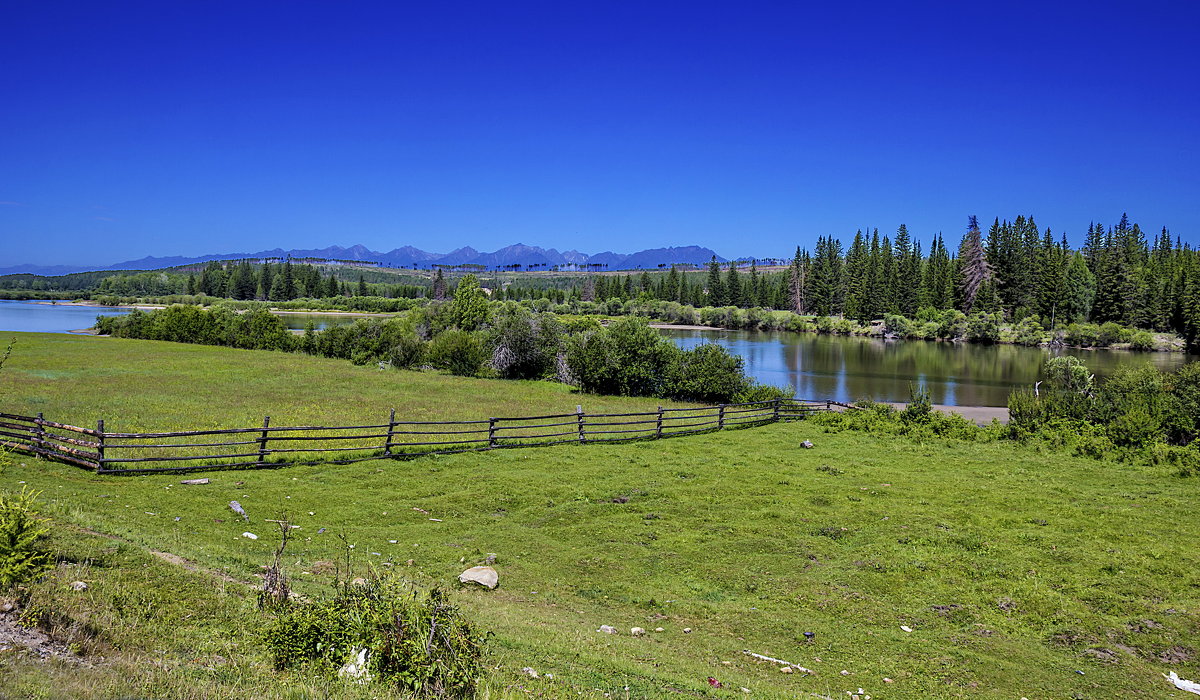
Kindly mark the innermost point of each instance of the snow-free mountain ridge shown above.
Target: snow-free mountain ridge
(519, 256)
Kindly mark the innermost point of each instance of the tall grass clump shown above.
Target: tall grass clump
(389, 632)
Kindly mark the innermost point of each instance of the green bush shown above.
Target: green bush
(1142, 340)
(1082, 335)
(983, 328)
(1108, 334)
(1028, 332)
(21, 532)
(461, 352)
(415, 641)
(952, 325)
(919, 408)
(407, 352)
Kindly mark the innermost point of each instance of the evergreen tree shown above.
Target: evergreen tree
(733, 286)
(439, 286)
(798, 283)
(716, 289)
(857, 263)
(362, 286)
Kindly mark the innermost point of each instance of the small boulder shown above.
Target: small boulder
(687, 630)
(358, 581)
(194, 482)
(489, 559)
(785, 669)
(250, 535)
(78, 586)
(637, 631)
(607, 629)
(485, 576)
(806, 445)
(659, 629)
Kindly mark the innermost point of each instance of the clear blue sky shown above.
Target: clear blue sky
(164, 128)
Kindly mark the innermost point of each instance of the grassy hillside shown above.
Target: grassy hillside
(1019, 574)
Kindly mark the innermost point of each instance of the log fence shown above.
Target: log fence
(277, 446)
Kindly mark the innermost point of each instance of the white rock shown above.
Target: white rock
(530, 672)
(637, 631)
(607, 629)
(485, 576)
(194, 482)
(659, 629)
(687, 630)
(906, 628)
(1183, 684)
(78, 586)
(250, 535)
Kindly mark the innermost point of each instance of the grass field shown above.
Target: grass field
(1019, 574)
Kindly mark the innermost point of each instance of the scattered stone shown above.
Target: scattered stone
(807, 445)
(637, 631)
(485, 576)
(607, 629)
(194, 482)
(808, 636)
(237, 508)
(358, 581)
(78, 586)
(659, 629)
(530, 672)
(7, 606)
(250, 535)
(687, 630)
(409, 562)
(844, 672)
(785, 669)
(906, 628)
(489, 559)
(888, 680)
(621, 499)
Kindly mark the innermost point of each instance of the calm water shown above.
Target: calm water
(852, 368)
(818, 366)
(43, 317)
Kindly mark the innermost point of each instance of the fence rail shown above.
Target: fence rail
(277, 446)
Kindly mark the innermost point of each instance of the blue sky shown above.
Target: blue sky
(183, 128)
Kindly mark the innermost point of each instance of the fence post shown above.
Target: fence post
(775, 416)
(100, 447)
(828, 405)
(491, 432)
(658, 426)
(262, 441)
(387, 446)
(39, 432)
(579, 413)
(721, 417)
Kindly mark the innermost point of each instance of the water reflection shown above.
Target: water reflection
(852, 368)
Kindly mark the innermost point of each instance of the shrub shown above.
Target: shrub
(415, 641)
(952, 325)
(628, 358)
(408, 351)
(919, 408)
(897, 325)
(460, 352)
(21, 532)
(1082, 335)
(1142, 340)
(1028, 332)
(983, 328)
(706, 374)
(1108, 334)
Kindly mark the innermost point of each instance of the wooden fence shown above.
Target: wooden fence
(275, 446)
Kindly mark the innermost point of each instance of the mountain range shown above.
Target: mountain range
(519, 254)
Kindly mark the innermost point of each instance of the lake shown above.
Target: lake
(44, 317)
(818, 366)
(850, 368)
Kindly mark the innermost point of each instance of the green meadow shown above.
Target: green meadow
(931, 569)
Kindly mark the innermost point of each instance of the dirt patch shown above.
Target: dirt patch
(1176, 655)
(15, 639)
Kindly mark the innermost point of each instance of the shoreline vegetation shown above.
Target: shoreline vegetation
(946, 326)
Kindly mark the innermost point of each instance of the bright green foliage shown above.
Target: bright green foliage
(21, 531)
(461, 352)
(983, 328)
(416, 641)
(470, 304)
